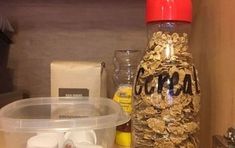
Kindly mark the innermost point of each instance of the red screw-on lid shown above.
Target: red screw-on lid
(169, 10)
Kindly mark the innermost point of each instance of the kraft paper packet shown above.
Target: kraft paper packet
(74, 79)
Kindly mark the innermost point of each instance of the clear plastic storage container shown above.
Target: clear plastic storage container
(60, 123)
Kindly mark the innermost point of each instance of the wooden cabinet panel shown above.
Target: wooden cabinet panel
(214, 45)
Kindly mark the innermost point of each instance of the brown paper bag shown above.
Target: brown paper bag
(73, 79)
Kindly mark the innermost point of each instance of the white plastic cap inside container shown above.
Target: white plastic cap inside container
(43, 141)
(81, 137)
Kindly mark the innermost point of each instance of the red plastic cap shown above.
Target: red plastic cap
(169, 10)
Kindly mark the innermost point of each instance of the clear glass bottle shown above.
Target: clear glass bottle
(166, 95)
(125, 63)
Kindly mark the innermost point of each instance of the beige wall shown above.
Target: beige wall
(70, 30)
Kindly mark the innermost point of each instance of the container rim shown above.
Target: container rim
(9, 124)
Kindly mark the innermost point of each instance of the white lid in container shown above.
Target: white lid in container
(82, 137)
(43, 141)
(61, 114)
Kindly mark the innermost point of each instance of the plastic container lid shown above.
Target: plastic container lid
(168, 10)
(61, 114)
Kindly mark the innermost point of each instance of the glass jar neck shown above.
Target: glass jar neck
(125, 65)
(168, 40)
(169, 27)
